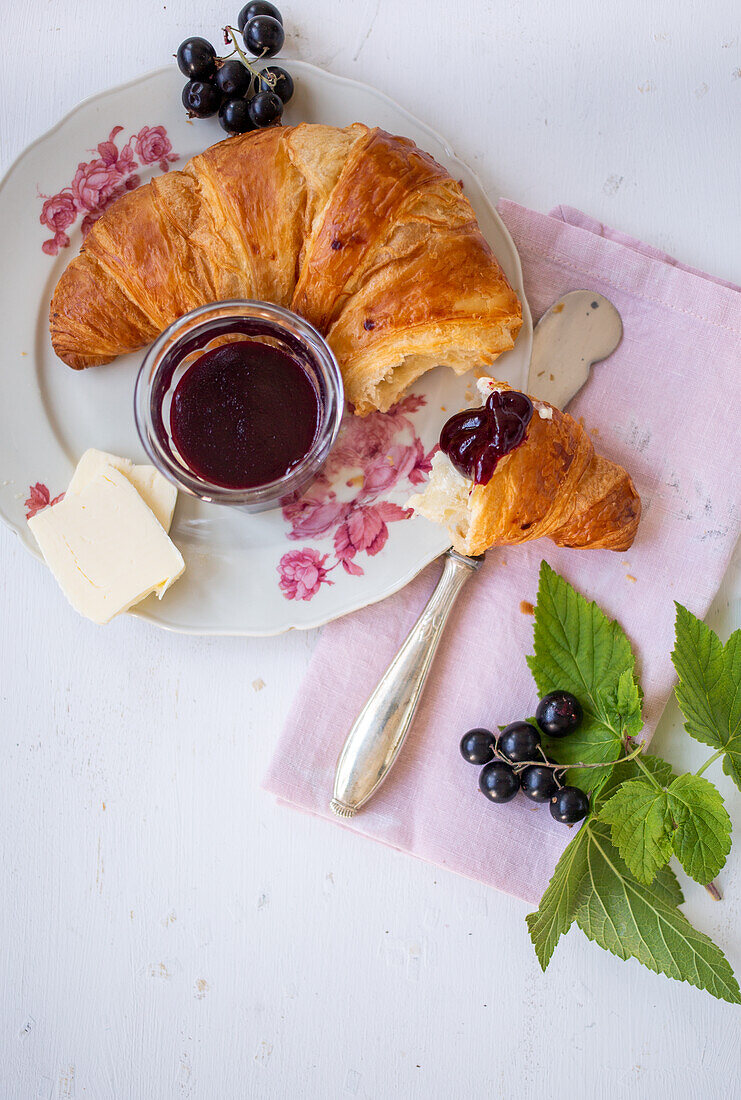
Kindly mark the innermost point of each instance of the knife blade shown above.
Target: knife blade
(578, 330)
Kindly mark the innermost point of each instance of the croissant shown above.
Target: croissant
(553, 484)
(360, 232)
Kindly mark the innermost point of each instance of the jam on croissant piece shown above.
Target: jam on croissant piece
(505, 475)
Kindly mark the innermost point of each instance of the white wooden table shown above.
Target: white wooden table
(166, 930)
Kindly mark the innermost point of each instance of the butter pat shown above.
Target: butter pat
(154, 489)
(105, 546)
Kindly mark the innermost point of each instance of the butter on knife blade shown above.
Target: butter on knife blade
(105, 547)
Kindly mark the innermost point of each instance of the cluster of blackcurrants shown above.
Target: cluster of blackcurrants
(245, 98)
(514, 759)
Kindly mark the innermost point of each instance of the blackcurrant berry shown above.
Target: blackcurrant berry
(559, 713)
(263, 35)
(477, 746)
(258, 7)
(538, 783)
(282, 85)
(233, 79)
(569, 805)
(498, 782)
(234, 116)
(196, 59)
(265, 109)
(519, 741)
(200, 98)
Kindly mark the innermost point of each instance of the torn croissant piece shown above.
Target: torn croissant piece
(360, 232)
(553, 484)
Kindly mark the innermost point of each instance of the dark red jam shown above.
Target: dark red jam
(244, 414)
(476, 439)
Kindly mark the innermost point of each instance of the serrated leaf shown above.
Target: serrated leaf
(702, 839)
(628, 703)
(709, 688)
(561, 900)
(630, 769)
(632, 920)
(732, 659)
(666, 888)
(578, 649)
(641, 827)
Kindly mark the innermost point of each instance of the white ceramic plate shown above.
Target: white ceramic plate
(350, 543)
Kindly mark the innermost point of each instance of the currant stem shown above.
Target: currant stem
(566, 767)
(268, 78)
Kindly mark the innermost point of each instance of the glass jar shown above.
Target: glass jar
(208, 327)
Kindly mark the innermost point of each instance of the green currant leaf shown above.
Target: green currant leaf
(641, 827)
(561, 900)
(702, 839)
(631, 769)
(578, 649)
(709, 688)
(624, 895)
(628, 703)
(633, 920)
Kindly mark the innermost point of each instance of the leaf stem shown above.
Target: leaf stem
(652, 778)
(712, 760)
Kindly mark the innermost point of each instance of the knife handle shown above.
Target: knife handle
(382, 725)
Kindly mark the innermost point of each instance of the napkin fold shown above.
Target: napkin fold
(666, 406)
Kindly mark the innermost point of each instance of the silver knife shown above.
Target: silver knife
(579, 329)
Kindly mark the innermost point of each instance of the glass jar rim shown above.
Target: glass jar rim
(187, 325)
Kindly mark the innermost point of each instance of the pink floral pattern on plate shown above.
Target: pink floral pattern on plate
(100, 181)
(39, 498)
(377, 453)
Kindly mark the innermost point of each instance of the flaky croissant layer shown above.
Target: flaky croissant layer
(553, 485)
(360, 232)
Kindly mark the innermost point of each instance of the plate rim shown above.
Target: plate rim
(363, 601)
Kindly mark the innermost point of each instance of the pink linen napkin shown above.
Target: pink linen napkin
(666, 406)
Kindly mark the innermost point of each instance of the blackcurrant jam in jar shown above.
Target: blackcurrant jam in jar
(239, 403)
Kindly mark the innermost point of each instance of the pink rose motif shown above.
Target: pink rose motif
(58, 213)
(386, 469)
(302, 573)
(39, 498)
(381, 452)
(151, 144)
(366, 530)
(93, 184)
(310, 518)
(121, 159)
(92, 217)
(422, 463)
(99, 182)
(364, 438)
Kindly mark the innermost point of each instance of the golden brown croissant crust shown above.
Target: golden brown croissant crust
(554, 485)
(361, 232)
